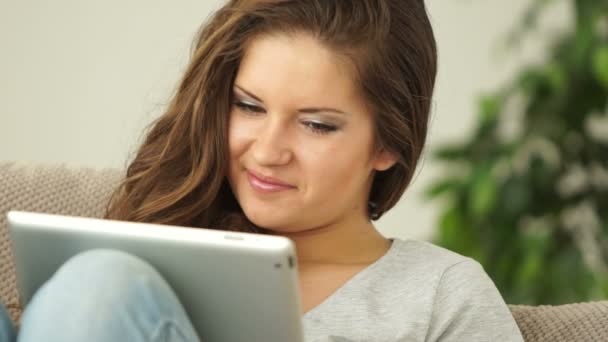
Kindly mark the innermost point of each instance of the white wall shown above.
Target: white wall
(79, 80)
(472, 62)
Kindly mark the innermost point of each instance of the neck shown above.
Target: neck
(339, 244)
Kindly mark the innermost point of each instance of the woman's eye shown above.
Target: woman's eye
(249, 108)
(320, 128)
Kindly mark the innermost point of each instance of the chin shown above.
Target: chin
(265, 220)
(269, 219)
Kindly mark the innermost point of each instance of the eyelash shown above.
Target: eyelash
(315, 127)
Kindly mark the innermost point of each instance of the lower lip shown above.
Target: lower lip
(261, 186)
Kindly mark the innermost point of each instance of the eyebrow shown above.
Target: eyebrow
(308, 110)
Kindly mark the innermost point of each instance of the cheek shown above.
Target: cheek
(335, 168)
(239, 137)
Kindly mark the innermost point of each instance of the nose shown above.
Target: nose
(271, 146)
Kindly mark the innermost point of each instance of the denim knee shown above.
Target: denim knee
(104, 278)
(103, 270)
(108, 293)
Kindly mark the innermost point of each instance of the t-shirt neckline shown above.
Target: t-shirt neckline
(352, 280)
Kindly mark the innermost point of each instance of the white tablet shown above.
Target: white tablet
(234, 286)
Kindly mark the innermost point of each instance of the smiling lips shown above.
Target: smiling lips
(266, 184)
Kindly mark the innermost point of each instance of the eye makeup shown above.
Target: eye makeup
(315, 125)
(319, 127)
(248, 107)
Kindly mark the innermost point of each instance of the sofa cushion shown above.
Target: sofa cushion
(563, 323)
(47, 188)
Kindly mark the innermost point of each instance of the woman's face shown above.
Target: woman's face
(300, 137)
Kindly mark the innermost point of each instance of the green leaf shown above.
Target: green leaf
(483, 193)
(530, 80)
(516, 195)
(556, 76)
(600, 65)
(583, 43)
(490, 106)
(448, 228)
(451, 153)
(530, 270)
(442, 187)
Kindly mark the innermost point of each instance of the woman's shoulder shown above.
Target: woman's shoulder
(452, 280)
(411, 265)
(412, 253)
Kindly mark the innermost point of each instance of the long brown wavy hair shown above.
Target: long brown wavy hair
(178, 175)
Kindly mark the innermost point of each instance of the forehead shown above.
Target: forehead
(297, 65)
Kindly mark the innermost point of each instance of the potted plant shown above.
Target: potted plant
(527, 193)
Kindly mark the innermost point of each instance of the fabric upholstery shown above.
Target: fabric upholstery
(568, 322)
(53, 189)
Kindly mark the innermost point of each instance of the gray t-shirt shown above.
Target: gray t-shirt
(417, 291)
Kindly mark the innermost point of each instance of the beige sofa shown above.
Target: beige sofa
(82, 191)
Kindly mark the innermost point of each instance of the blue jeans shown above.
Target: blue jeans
(102, 295)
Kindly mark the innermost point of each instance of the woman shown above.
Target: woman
(304, 119)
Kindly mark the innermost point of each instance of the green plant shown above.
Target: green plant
(527, 194)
